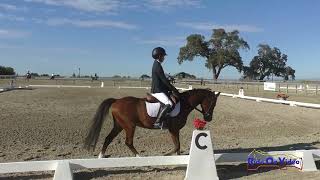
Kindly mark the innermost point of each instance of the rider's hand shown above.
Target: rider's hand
(176, 93)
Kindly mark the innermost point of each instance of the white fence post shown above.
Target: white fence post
(308, 161)
(241, 92)
(63, 171)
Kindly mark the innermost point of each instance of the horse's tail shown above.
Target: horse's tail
(96, 124)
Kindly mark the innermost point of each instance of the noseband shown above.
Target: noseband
(205, 114)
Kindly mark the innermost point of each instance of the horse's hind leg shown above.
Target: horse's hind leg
(114, 132)
(129, 140)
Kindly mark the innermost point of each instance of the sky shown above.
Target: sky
(116, 37)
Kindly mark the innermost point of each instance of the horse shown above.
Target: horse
(129, 112)
(28, 76)
(94, 78)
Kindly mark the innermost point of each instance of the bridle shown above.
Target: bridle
(205, 114)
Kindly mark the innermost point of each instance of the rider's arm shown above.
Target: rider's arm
(163, 78)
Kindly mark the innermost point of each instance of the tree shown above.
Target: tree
(116, 76)
(289, 72)
(144, 76)
(6, 70)
(249, 73)
(35, 74)
(269, 61)
(220, 51)
(182, 75)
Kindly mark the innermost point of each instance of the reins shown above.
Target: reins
(205, 114)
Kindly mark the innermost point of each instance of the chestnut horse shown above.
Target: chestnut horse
(129, 112)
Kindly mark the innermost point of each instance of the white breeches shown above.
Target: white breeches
(162, 97)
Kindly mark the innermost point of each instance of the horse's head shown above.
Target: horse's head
(208, 104)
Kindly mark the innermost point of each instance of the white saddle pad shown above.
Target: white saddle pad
(153, 109)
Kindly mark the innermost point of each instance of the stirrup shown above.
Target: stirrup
(160, 125)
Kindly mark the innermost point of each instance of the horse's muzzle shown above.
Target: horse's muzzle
(207, 117)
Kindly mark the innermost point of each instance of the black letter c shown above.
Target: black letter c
(197, 141)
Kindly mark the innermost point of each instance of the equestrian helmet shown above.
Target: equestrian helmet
(157, 52)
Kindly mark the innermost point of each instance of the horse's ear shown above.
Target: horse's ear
(217, 94)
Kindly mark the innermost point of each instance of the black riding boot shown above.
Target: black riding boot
(158, 123)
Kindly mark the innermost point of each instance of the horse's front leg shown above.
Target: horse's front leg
(176, 141)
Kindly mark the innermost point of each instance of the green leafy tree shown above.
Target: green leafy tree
(144, 76)
(116, 76)
(269, 61)
(249, 73)
(182, 75)
(289, 72)
(6, 70)
(35, 74)
(220, 51)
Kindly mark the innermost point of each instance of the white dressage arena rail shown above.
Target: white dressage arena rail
(59, 86)
(201, 154)
(260, 99)
(200, 162)
(14, 88)
(146, 87)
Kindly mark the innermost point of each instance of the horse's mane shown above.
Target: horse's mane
(195, 90)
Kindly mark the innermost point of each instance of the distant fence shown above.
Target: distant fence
(307, 87)
(146, 87)
(312, 87)
(8, 76)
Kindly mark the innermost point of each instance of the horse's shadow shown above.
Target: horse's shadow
(240, 170)
(105, 173)
(28, 176)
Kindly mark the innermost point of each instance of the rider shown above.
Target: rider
(160, 85)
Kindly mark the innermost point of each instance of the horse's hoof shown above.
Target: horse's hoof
(137, 155)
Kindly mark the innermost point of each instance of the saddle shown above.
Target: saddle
(154, 106)
(151, 99)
